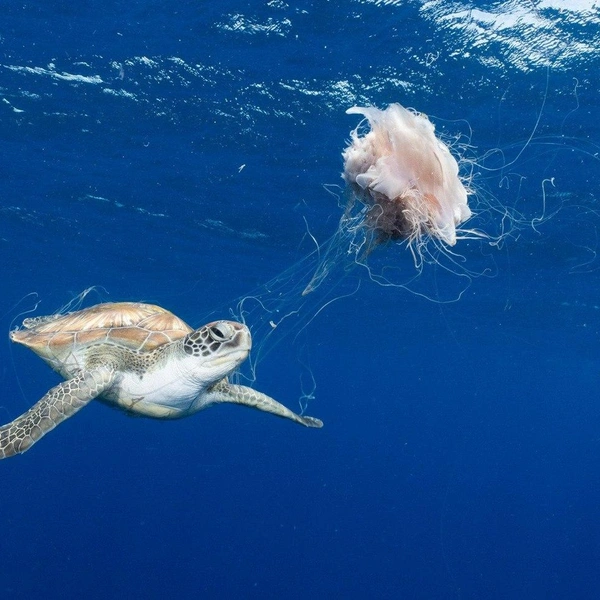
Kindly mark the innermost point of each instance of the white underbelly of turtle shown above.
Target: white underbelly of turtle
(160, 395)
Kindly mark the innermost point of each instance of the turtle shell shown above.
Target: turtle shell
(134, 325)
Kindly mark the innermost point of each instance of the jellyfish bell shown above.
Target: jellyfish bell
(406, 177)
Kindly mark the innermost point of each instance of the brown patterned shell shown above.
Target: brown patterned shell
(140, 327)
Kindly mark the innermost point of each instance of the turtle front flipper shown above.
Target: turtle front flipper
(58, 404)
(240, 394)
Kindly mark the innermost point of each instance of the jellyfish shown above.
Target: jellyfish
(403, 185)
(405, 189)
(406, 177)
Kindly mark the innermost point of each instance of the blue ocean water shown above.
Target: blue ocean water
(184, 154)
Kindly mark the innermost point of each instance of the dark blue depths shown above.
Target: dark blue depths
(172, 155)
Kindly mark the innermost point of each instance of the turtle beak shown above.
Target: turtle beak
(244, 339)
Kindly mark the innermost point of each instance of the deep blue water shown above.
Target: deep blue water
(177, 153)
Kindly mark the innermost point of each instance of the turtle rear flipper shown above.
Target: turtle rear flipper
(58, 404)
(240, 394)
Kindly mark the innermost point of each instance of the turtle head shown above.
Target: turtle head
(216, 349)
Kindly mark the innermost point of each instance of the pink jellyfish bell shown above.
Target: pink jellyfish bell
(405, 176)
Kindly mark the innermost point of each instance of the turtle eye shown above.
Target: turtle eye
(221, 332)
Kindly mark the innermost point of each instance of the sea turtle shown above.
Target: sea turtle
(140, 358)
